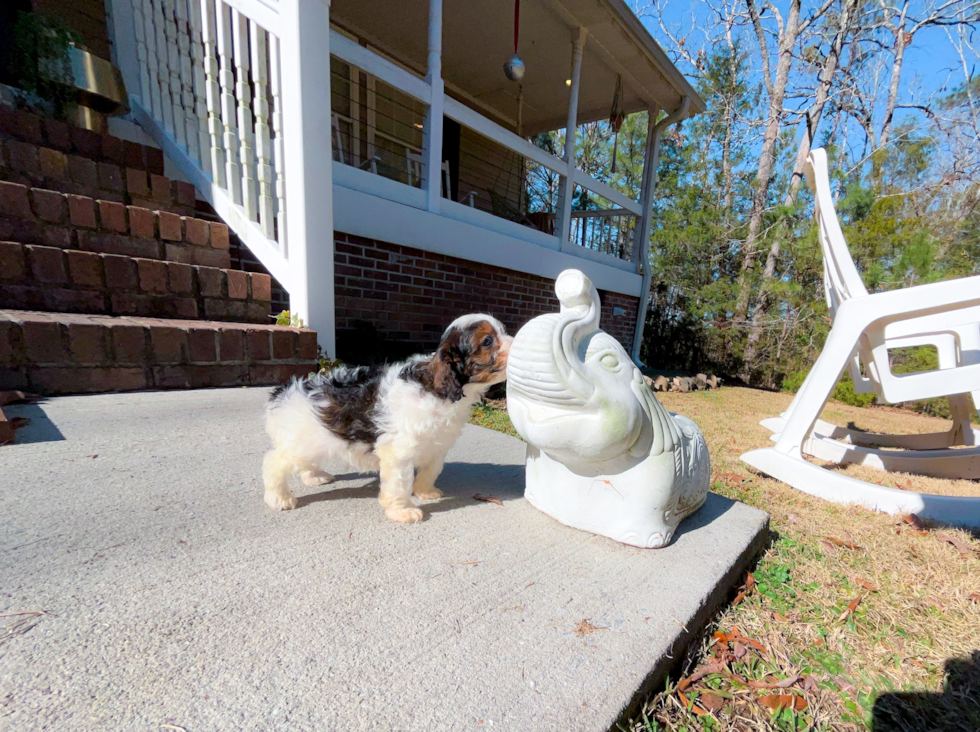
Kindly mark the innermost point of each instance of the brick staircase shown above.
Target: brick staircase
(109, 281)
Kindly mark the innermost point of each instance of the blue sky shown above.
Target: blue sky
(930, 63)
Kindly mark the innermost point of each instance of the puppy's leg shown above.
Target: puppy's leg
(275, 470)
(425, 481)
(315, 476)
(397, 472)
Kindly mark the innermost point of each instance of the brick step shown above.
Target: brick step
(40, 130)
(52, 169)
(34, 277)
(67, 221)
(64, 353)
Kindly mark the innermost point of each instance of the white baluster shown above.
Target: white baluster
(186, 80)
(260, 105)
(213, 92)
(139, 24)
(199, 65)
(164, 108)
(246, 133)
(226, 76)
(173, 68)
(277, 151)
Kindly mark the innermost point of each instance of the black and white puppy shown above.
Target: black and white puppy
(398, 418)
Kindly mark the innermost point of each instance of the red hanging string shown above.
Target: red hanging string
(517, 22)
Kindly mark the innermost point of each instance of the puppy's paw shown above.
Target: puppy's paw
(315, 477)
(404, 515)
(427, 494)
(280, 501)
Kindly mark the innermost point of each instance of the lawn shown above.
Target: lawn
(845, 609)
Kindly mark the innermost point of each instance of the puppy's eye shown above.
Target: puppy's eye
(488, 341)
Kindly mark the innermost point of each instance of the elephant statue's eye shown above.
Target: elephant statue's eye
(609, 361)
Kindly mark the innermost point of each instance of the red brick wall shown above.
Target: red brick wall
(396, 300)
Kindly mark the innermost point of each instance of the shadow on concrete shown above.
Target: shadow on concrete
(956, 709)
(459, 482)
(714, 507)
(40, 429)
(367, 489)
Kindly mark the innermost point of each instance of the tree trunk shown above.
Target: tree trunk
(902, 40)
(777, 92)
(826, 78)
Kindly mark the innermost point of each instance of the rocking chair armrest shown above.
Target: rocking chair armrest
(896, 305)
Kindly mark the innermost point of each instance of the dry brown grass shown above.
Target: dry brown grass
(914, 612)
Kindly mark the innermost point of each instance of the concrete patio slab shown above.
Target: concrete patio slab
(175, 597)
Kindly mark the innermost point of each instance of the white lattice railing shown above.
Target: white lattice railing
(210, 79)
(217, 84)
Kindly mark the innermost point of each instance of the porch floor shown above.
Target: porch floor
(175, 597)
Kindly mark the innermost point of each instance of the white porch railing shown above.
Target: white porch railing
(237, 93)
(216, 83)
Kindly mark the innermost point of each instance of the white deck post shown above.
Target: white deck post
(641, 246)
(567, 188)
(432, 135)
(305, 45)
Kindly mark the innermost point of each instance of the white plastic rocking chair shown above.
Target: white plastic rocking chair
(865, 327)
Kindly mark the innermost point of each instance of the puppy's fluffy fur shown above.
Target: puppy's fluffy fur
(398, 418)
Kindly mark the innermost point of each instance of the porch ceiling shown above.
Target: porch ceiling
(478, 38)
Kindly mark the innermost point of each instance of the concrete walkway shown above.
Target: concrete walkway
(175, 597)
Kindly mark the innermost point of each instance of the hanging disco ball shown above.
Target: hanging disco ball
(514, 68)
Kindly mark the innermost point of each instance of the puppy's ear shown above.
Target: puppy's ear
(449, 367)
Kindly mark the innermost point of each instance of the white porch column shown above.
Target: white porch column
(571, 125)
(432, 135)
(641, 246)
(648, 183)
(305, 49)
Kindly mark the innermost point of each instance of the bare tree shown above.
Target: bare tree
(840, 31)
(787, 34)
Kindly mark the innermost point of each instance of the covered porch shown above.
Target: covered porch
(395, 122)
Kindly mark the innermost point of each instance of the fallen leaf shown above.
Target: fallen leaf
(809, 684)
(92, 456)
(691, 706)
(780, 618)
(749, 582)
(841, 542)
(711, 668)
(778, 702)
(916, 663)
(585, 628)
(793, 518)
(965, 549)
(851, 607)
(974, 597)
(934, 602)
(711, 702)
(739, 597)
(865, 584)
(739, 650)
(912, 520)
(487, 499)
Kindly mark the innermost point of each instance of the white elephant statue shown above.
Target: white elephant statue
(603, 454)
